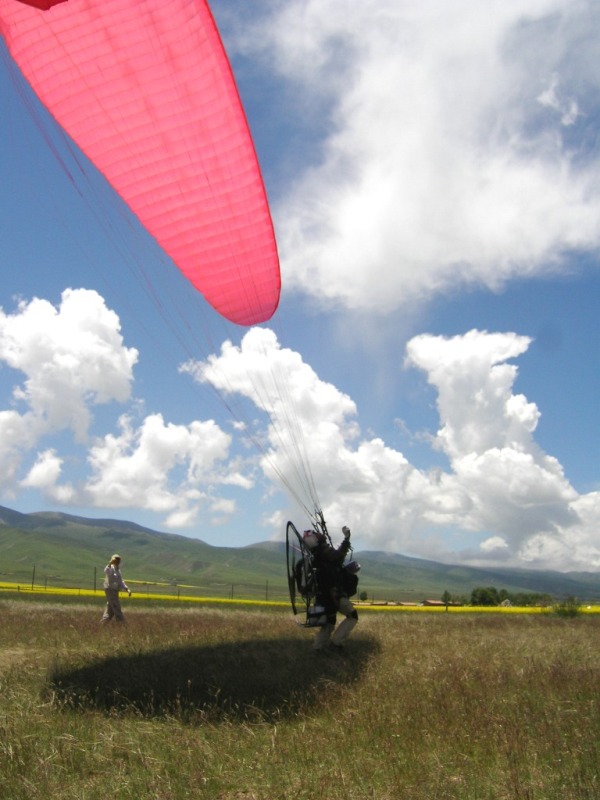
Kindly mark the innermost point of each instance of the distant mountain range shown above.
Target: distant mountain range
(68, 550)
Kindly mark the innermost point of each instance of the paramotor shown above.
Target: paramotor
(303, 578)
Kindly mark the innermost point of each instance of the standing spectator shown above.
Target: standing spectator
(113, 584)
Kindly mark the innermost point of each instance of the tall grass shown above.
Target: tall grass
(208, 703)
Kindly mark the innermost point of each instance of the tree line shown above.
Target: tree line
(491, 596)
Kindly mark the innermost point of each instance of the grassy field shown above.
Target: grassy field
(203, 702)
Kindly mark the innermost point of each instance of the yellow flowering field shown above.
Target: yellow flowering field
(144, 595)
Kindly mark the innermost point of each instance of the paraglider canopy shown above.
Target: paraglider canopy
(45, 5)
(146, 91)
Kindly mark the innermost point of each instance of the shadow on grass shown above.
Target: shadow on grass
(264, 679)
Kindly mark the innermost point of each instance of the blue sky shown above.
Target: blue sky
(433, 179)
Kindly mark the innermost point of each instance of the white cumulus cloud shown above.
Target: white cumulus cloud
(64, 360)
(68, 359)
(501, 495)
(450, 143)
(501, 488)
(135, 468)
(72, 357)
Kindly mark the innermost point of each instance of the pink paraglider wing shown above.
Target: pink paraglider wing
(146, 91)
(43, 4)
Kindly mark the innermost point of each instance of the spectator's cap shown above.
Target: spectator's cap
(116, 557)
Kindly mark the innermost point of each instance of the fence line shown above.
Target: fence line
(266, 590)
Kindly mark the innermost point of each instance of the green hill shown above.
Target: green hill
(67, 550)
